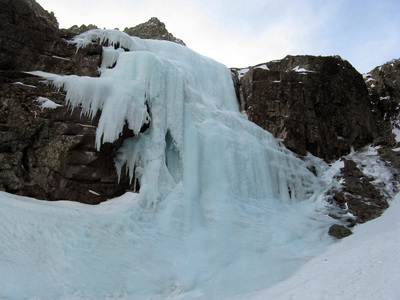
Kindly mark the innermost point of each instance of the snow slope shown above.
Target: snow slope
(363, 266)
(66, 250)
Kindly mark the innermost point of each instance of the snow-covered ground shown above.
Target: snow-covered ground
(364, 266)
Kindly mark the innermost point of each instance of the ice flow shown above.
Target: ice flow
(223, 208)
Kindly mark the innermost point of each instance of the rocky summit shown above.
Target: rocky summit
(314, 104)
(153, 29)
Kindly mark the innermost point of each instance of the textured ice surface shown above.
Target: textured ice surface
(223, 207)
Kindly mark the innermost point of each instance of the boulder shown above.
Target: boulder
(339, 231)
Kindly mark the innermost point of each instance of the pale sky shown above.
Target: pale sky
(245, 33)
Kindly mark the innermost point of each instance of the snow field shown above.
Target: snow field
(363, 266)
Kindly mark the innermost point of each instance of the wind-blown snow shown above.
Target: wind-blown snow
(46, 103)
(301, 70)
(396, 129)
(262, 66)
(23, 84)
(223, 208)
(62, 58)
(242, 72)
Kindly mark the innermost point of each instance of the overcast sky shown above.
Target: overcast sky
(243, 33)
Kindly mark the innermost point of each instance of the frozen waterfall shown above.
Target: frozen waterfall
(223, 208)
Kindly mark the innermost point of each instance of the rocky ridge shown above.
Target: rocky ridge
(75, 29)
(153, 29)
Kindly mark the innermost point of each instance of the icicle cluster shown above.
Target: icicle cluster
(195, 134)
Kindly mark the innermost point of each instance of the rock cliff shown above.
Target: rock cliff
(48, 153)
(383, 83)
(314, 104)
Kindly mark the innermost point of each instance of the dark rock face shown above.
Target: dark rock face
(153, 29)
(383, 85)
(30, 40)
(50, 153)
(26, 29)
(315, 104)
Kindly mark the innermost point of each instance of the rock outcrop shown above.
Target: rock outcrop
(314, 104)
(75, 30)
(153, 29)
(27, 32)
(30, 40)
(46, 151)
(383, 84)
